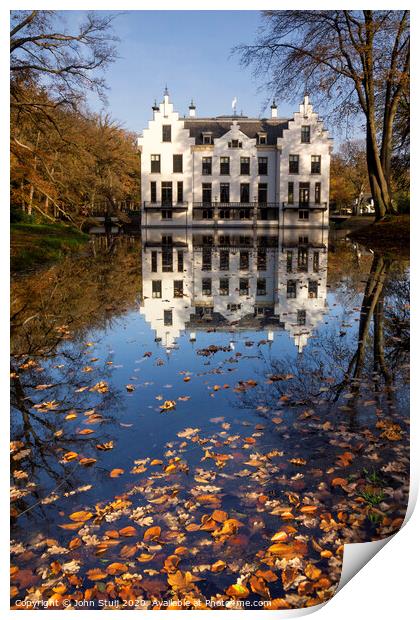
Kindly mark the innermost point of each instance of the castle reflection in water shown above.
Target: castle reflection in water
(267, 281)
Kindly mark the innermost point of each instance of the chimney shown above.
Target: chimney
(192, 108)
(274, 109)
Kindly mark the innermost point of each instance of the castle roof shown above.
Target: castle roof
(220, 125)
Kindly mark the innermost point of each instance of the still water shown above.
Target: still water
(203, 419)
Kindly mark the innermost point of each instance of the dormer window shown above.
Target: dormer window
(262, 137)
(235, 144)
(207, 137)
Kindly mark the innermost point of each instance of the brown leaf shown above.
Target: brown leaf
(116, 472)
(128, 531)
(96, 574)
(116, 568)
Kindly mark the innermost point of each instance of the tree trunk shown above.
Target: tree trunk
(378, 184)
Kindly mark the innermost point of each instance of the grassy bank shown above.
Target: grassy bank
(34, 245)
(391, 235)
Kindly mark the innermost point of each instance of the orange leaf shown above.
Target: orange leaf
(218, 566)
(96, 574)
(116, 472)
(82, 515)
(152, 533)
(128, 531)
(116, 568)
(237, 590)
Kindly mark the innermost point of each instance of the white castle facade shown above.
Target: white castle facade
(234, 170)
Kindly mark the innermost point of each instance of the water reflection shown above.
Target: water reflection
(233, 280)
(286, 435)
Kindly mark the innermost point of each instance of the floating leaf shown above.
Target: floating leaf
(152, 533)
(81, 515)
(237, 590)
(116, 472)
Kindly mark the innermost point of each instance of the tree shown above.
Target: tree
(354, 61)
(349, 176)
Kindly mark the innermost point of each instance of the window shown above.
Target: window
(316, 261)
(262, 193)
(224, 286)
(261, 287)
(206, 287)
(167, 240)
(291, 289)
(224, 260)
(156, 289)
(303, 194)
(167, 318)
(301, 317)
(290, 192)
(293, 164)
(303, 214)
(177, 163)
(289, 261)
(312, 289)
(224, 214)
(243, 286)
(225, 165)
(153, 194)
(166, 193)
(224, 192)
(305, 134)
(263, 165)
(207, 138)
(207, 214)
(180, 191)
(262, 260)
(316, 164)
(166, 214)
(206, 259)
(317, 193)
(154, 261)
(180, 261)
(233, 307)
(244, 192)
(303, 240)
(235, 144)
(166, 133)
(206, 193)
(206, 165)
(262, 138)
(243, 260)
(167, 260)
(154, 163)
(245, 165)
(178, 288)
(303, 259)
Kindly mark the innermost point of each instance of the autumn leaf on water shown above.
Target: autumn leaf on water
(168, 405)
(182, 581)
(237, 590)
(87, 461)
(116, 472)
(96, 574)
(81, 515)
(116, 568)
(100, 387)
(105, 446)
(152, 533)
(218, 566)
(130, 387)
(70, 456)
(86, 431)
(128, 531)
(296, 549)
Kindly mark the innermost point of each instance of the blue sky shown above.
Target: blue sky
(191, 52)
